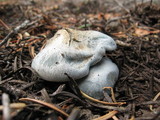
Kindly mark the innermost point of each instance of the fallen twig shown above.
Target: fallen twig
(75, 86)
(154, 99)
(118, 18)
(6, 107)
(45, 104)
(108, 107)
(6, 26)
(112, 93)
(74, 114)
(122, 6)
(102, 102)
(15, 106)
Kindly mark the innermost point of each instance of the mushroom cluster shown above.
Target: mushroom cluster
(80, 54)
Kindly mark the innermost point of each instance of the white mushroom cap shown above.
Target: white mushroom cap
(103, 74)
(72, 52)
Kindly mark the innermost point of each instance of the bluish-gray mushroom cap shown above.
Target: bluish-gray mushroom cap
(72, 52)
(103, 74)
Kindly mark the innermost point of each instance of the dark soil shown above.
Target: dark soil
(137, 56)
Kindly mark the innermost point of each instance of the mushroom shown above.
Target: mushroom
(72, 52)
(103, 74)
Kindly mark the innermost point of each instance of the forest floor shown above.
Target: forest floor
(26, 26)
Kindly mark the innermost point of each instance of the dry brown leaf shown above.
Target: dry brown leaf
(107, 16)
(111, 15)
(51, 27)
(124, 44)
(100, 16)
(63, 24)
(120, 35)
(143, 32)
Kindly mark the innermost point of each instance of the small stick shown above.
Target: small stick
(135, 3)
(115, 118)
(112, 93)
(107, 116)
(6, 26)
(108, 107)
(154, 99)
(118, 18)
(46, 96)
(6, 107)
(150, 3)
(78, 91)
(74, 114)
(14, 106)
(59, 90)
(28, 85)
(24, 24)
(102, 102)
(150, 103)
(122, 6)
(45, 104)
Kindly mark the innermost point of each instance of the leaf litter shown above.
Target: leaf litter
(24, 31)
